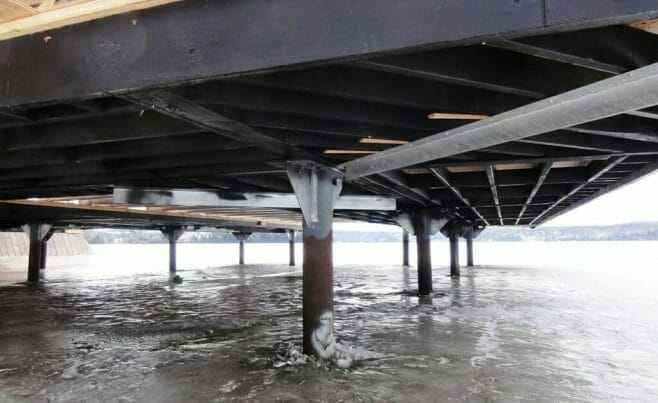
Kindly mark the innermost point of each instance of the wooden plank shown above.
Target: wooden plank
(650, 26)
(13, 9)
(57, 17)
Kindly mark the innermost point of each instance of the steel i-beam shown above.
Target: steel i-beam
(317, 188)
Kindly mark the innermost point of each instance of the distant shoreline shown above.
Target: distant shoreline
(620, 232)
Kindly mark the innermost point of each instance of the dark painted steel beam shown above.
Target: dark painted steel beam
(512, 177)
(178, 107)
(547, 53)
(540, 181)
(542, 160)
(597, 170)
(494, 191)
(92, 131)
(647, 169)
(73, 66)
(442, 176)
(635, 90)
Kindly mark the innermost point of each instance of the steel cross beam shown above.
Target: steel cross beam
(442, 176)
(176, 106)
(74, 67)
(636, 89)
(595, 175)
(542, 177)
(207, 198)
(494, 192)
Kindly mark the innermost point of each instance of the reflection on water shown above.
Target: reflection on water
(577, 329)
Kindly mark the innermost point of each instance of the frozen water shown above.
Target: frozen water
(579, 329)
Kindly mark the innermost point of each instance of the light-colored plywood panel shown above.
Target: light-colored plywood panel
(14, 9)
(60, 14)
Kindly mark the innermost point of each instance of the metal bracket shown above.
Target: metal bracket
(409, 222)
(314, 184)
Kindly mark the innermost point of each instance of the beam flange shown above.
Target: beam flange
(636, 89)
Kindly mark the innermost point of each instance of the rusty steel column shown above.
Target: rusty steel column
(317, 189)
(453, 235)
(173, 234)
(405, 248)
(422, 229)
(36, 233)
(291, 246)
(469, 246)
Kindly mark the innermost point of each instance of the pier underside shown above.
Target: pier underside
(461, 114)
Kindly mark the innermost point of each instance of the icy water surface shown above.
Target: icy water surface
(577, 329)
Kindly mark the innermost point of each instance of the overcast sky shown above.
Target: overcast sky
(633, 203)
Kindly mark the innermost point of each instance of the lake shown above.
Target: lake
(544, 321)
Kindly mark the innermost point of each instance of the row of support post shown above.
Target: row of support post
(173, 233)
(423, 225)
(317, 189)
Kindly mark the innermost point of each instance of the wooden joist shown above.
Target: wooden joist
(24, 17)
(650, 26)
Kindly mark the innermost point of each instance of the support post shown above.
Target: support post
(422, 229)
(291, 246)
(469, 246)
(172, 234)
(453, 235)
(241, 237)
(317, 188)
(405, 248)
(44, 249)
(36, 233)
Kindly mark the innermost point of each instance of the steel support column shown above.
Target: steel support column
(44, 249)
(469, 246)
(405, 248)
(36, 233)
(241, 237)
(422, 229)
(291, 246)
(453, 235)
(172, 234)
(317, 189)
